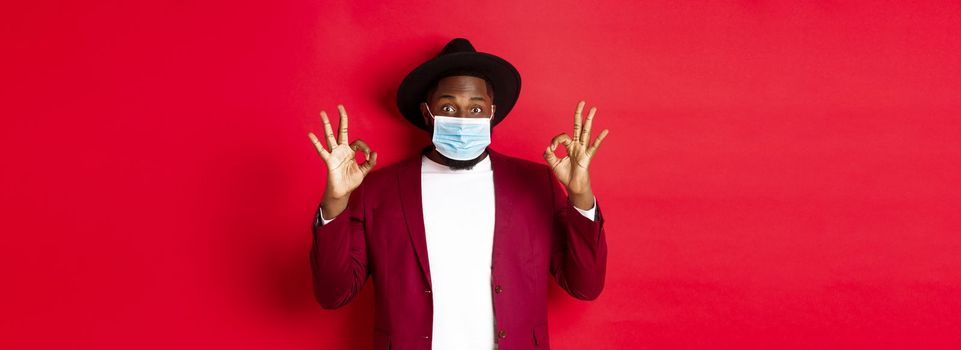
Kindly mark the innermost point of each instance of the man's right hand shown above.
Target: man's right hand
(344, 175)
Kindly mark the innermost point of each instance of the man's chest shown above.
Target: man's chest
(459, 214)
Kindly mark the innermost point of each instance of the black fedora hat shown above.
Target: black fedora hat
(459, 54)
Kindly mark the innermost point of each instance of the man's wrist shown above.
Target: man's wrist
(583, 200)
(331, 207)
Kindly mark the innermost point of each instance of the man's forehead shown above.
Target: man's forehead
(462, 80)
(452, 97)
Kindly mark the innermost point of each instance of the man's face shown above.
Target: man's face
(460, 96)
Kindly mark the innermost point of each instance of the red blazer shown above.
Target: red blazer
(537, 234)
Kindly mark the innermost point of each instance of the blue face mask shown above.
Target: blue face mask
(461, 138)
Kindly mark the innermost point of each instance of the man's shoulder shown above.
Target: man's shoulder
(389, 173)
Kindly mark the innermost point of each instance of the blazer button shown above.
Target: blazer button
(498, 289)
(427, 291)
(501, 334)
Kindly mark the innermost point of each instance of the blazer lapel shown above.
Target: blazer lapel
(504, 190)
(409, 183)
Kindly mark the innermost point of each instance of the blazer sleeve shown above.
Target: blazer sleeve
(579, 249)
(338, 254)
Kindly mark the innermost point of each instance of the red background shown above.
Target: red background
(776, 176)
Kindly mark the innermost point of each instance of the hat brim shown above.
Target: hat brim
(505, 80)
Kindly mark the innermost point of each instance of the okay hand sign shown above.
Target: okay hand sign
(571, 170)
(344, 174)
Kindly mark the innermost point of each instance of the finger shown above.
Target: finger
(360, 144)
(328, 131)
(586, 134)
(597, 143)
(343, 125)
(577, 119)
(320, 148)
(369, 164)
(550, 157)
(561, 138)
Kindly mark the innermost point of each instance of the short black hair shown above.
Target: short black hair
(456, 72)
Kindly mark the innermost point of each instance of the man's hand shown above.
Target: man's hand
(571, 170)
(344, 175)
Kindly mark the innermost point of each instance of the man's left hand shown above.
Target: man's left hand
(571, 170)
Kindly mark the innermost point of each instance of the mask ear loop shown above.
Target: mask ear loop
(428, 111)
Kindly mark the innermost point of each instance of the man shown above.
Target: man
(460, 240)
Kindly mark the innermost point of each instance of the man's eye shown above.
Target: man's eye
(475, 110)
(447, 109)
